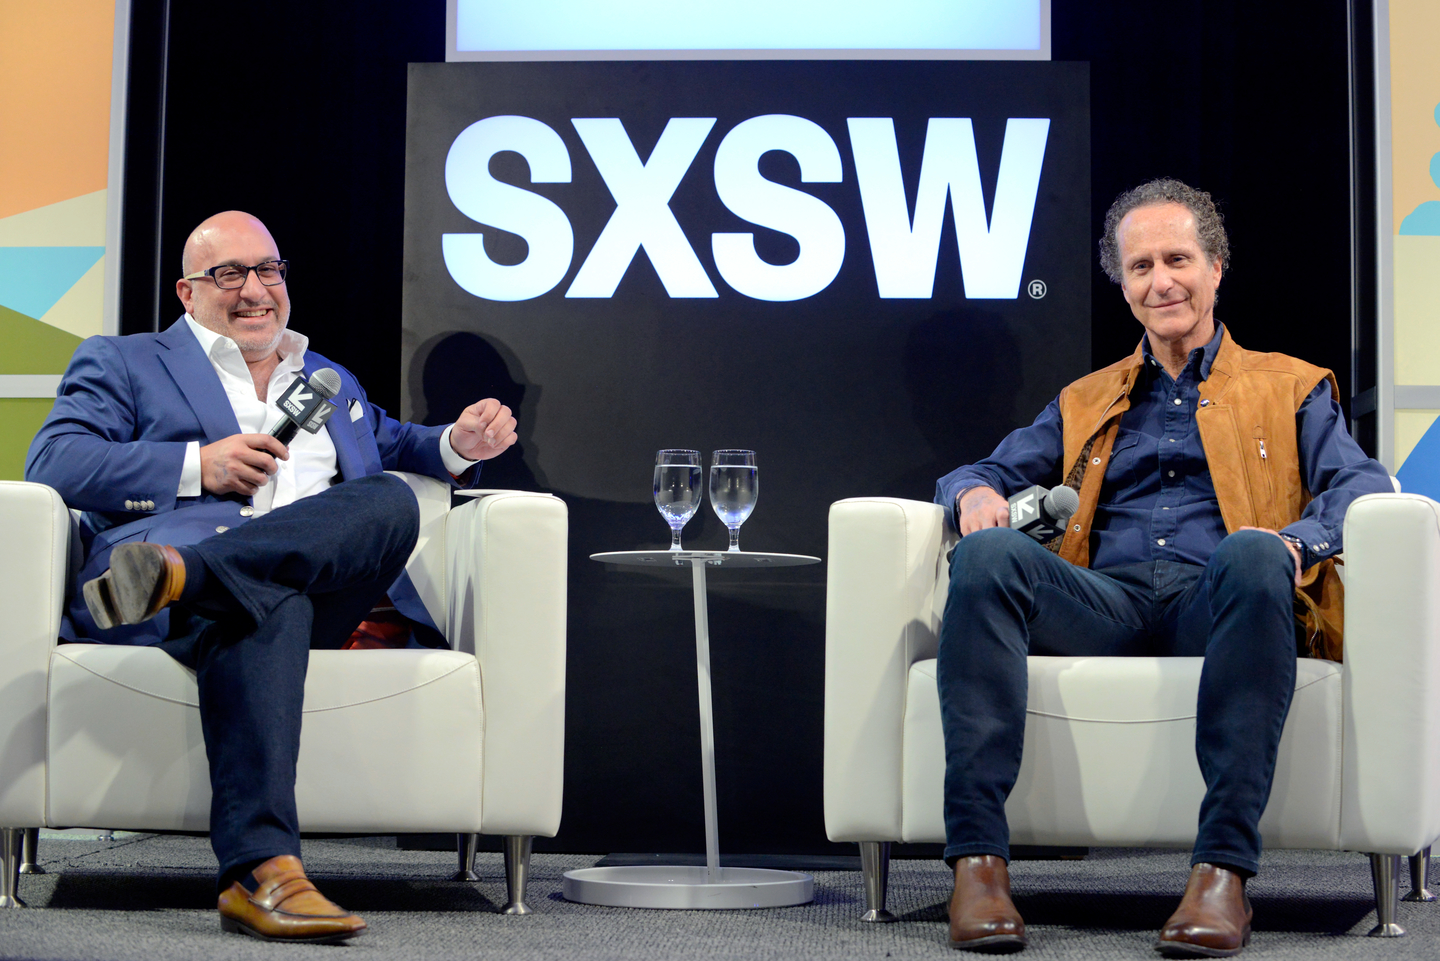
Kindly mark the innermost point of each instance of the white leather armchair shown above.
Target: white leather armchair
(1109, 756)
(468, 740)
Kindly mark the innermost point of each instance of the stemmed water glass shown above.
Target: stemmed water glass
(734, 486)
(677, 489)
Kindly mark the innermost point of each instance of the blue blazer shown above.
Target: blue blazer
(114, 446)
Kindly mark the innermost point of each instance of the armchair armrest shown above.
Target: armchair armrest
(1391, 799)
(882, 613)
(507, 555)
(35, 531)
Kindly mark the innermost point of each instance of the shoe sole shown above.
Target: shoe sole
(994, 944)
(1180, 949)
(239, 927)
(100, 603)
(129, 592)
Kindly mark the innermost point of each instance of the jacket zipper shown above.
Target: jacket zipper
(1269, 482)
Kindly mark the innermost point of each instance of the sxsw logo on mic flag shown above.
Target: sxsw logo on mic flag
(768, 181)
(298, 400)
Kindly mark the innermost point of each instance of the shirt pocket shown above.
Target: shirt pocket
(1123, 472)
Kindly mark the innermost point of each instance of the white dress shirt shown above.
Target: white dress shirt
(311, 467)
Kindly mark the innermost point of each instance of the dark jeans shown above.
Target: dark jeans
(1009, 597)
(299, 578)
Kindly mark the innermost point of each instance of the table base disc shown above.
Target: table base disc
(657, 886)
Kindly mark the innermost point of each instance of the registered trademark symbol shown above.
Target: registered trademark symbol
(1037, 289)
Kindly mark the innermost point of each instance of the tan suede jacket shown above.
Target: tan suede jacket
(1247, 428)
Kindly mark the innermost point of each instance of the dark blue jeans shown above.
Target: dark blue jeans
(299, 578)
(1009, 597)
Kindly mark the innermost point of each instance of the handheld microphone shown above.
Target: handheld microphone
(1042, 513)
(306, 404)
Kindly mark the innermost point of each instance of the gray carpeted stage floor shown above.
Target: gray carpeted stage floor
(150, 898)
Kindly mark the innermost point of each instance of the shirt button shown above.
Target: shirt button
(1172, 440)
(221, 529)
(1161, 542)
(1177, 401)
(1169, 473)
(247, 511)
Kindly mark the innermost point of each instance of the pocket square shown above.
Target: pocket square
(357, 411)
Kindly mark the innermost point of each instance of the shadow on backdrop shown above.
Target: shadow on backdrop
(962, 370)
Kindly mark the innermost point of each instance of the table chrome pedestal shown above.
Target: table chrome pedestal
(660, 886)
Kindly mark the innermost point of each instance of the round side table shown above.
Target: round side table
(661, 886)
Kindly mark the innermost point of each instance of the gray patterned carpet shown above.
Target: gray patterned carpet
(150, 898)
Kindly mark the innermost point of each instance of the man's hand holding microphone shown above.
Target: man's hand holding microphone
(1035, 511)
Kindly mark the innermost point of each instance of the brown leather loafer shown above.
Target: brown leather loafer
(982, 916)
(143, 578)
(284, 906)
(1213, 920)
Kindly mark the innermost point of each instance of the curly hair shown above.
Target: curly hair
(1209, 225)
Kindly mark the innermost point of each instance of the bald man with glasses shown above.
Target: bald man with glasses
(235, 552)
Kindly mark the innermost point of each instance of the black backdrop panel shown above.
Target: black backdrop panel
(841, 393)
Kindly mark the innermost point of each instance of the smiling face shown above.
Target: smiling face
(254, 316)
(1168, 281)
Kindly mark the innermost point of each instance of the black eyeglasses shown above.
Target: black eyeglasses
(229, 276)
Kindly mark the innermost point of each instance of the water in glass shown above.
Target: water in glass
(678, 489)
(734, 487)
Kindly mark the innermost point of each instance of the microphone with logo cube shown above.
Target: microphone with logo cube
(1042, 513)
(305, 405)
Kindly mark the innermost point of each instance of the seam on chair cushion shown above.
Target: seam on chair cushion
(383, 697)
(311, 710)
(1146, 720)
(129, 687)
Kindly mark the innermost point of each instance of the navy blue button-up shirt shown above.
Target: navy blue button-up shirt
(1157, 502)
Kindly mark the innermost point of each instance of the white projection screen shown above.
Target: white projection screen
(748, 30)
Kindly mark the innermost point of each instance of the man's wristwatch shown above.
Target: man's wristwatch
(1298, 544)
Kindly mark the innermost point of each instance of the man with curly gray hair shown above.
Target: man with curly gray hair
(1212, 484)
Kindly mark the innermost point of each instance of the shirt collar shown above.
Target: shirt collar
(1205, 356)
(291, 349)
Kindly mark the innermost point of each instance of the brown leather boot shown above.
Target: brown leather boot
(1213, 920)
(982, 916)
(285, 907)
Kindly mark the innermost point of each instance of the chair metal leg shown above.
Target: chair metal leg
(465, 845)
(10, 868)
(1385, 873)
(1419, 874)
(875, 866)
(29, 843)
(517, 873)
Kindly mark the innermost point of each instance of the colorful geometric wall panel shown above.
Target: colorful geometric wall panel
(32, 279)
(1414, 240)
(57, 59)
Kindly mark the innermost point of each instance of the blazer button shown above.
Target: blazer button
(221, 529)
(247, 511)
(129, 505)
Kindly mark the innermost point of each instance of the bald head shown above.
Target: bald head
(217, 231)
(253, 315)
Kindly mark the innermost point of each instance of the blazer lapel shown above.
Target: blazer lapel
(348, 461)
(181, 354)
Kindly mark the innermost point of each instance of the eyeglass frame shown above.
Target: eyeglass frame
(282, 263)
